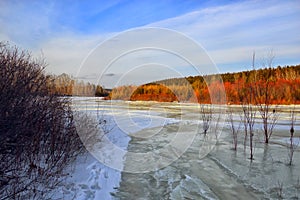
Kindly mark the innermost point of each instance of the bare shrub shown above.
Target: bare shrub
(206, 116)
(249, 113)
(216, 122)
(292, 144)
(37, 133)
(91, 129)
(235, 128)
(269, 115)
(245, 125)
(264, 95)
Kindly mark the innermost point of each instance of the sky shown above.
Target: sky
(68, 33)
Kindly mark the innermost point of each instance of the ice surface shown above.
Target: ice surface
(92, 179)
(222, 174)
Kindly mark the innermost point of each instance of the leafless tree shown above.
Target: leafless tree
(91, 129)
(292, 145)
(249, 113)
(37, 133)
(269, 114)
(206, 116)
(263, 98)
(216, 122)
(234, 128)
(245, 125)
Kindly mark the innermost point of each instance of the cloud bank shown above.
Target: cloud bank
(230, 33)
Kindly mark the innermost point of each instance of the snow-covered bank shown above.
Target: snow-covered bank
(91, 178)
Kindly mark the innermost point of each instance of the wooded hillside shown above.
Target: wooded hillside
(280, 85)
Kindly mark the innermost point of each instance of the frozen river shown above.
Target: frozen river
(158, 151)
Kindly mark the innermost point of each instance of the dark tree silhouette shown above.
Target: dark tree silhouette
(292, 144)
(264, 98)
(249, 113)
(37, 133)
(206, 116)
(234, 127)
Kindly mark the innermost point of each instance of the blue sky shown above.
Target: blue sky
(65, 32)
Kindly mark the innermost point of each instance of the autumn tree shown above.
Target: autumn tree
(281, 85)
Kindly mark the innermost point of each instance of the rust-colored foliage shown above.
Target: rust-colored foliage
(155, 92)
(281, 85)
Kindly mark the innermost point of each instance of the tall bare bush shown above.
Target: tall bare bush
(263, 98)
(37, 133)
(234, 127)
(249, 113)
(293, 144)
(206, 116)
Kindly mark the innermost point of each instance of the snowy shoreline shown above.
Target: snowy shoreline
(91, 179)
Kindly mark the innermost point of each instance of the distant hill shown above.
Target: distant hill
(280, 85)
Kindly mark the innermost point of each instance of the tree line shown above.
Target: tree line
(66, 85)
(281, 85)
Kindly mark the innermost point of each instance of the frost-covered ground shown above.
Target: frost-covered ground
(141, 127)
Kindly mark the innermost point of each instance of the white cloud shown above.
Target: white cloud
(136, 48)
(229, 33)
(65, 54)
(232, 31)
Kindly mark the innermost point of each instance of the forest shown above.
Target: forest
(279, 85)
(66, 85)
